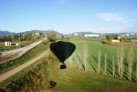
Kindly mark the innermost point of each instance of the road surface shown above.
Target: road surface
(13, 54)
(11, 72)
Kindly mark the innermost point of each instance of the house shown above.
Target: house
(8, 43)
(125, 34)
(75, 34)
(92, 35)
(114, 40)
(37, 33)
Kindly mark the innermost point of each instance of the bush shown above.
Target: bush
(51, 36)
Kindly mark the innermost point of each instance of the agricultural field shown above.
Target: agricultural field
(37, 77)
(77, 77)
(106, 53)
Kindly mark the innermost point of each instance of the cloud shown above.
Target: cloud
(123, 22)
(109, 16)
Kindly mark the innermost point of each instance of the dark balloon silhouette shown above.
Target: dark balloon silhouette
(62, 50)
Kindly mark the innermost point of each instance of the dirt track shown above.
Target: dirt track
(17, 69)
(13, 54)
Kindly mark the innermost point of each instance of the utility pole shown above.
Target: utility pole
(62, 37)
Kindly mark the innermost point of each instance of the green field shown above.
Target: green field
(111, 51)
(72, 79)
(67, 80)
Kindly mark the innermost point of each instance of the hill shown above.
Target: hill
(83, 33)
(33, 31)
(40, 31)
(6, 32)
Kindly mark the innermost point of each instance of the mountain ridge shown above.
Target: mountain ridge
(33, 31)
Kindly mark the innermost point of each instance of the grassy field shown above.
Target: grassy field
(36, 78)
(111, 51)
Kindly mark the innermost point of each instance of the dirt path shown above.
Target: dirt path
(13, 54)
(11, 72)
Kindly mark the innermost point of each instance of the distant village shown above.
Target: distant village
(116, 37)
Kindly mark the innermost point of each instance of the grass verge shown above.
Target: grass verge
(24, 58)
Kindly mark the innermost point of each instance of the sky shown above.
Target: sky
(68, 16)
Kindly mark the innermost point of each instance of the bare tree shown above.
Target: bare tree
(120, 60)
(85, 55)
(113, 68)
(130, 63)
(99, 61)
(79, 65)
(105, 65)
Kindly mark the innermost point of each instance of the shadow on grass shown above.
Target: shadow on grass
(62, 50)
(91, 63)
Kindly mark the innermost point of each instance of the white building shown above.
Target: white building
(115, 41)
(75, 34)
(92, 35)
(8, 43)
(37, 33)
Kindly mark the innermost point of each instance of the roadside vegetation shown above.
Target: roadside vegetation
(51, 36)
(20, 39)
(24, 58)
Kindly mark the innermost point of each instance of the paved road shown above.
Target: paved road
(11, 72)
(13, 54)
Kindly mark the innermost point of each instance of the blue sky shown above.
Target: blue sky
(67, 16)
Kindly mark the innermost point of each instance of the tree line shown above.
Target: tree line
(20, 37)
(118, 66)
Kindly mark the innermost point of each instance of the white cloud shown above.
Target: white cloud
(124, 22)
(109, 16)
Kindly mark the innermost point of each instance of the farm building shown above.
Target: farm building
(115, 40)
(8, 43)
(92, 35)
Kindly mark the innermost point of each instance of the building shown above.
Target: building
(92, 35)
(37, 33)
(7, 43)
(75, 34)
(115, 40)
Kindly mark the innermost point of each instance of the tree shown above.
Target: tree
(29, 36)
(105, 65)
(120, 60)
(99, 61)
(113, 68)
(51, 35)
(130, 63)
(15, 37)
(109, 37)
(85, 55)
